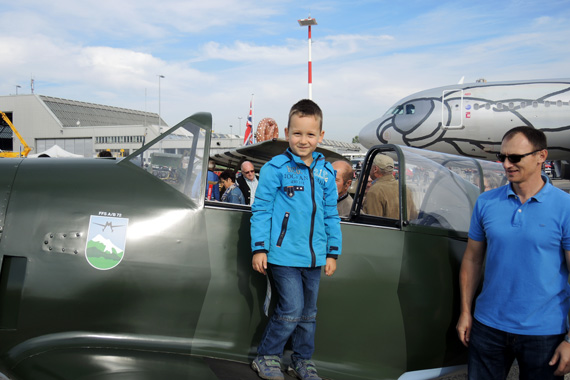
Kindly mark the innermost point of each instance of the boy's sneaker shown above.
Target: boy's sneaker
(268, 367)
(304, 370)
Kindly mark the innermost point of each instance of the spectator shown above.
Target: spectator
(344, 175)
(383, 197)
(520, 237)
(247, 182)
(232, 193)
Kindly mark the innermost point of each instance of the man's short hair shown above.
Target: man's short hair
(306, 107)
(384, 163)
(348, 174)
(535, 137)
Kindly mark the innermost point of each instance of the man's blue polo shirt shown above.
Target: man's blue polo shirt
(525, 288)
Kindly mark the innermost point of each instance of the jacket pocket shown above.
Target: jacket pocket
(283, 229)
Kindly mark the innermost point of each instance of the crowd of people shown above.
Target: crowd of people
(230, 186)
(382, 200)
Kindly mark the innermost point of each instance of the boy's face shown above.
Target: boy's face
(303, 134)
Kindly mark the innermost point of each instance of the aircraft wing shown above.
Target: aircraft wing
(262, 152)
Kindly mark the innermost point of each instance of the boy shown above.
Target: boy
(295, 229)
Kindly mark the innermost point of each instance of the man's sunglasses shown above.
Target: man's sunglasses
(251, 171)
(514, 158)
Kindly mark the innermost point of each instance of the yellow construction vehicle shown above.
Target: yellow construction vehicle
(26, 150)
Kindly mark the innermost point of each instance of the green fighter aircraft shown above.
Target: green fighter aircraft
(121, 270)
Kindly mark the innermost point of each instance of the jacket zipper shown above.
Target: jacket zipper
(313, 215)
(283, 229)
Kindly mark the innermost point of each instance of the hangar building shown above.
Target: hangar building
(78, 127)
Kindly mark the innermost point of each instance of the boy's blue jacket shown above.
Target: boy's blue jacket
(295, 220)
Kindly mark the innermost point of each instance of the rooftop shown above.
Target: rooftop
(72, 113)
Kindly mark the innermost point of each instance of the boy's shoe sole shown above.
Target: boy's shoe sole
(256, 369)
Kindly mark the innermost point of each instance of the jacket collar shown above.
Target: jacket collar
(316, 157)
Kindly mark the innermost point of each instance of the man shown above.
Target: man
(247, 182)
(522, 230)
(344, 175)
(383, 197)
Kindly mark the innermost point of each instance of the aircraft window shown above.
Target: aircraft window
(523, 104)
(547, 103)
(499, 106)
(511, 105)
(535, 104)
(488, 106)
(559, 103)
(410, 109)
(476, 106)
(397, 110)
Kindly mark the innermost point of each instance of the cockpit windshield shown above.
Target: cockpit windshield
(177, 157)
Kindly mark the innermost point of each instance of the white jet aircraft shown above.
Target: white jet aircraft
(470, 119)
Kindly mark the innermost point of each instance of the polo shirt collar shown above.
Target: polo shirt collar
(538, 196)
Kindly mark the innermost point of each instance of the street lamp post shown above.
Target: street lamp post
(17, 87)
(309, 22)
(239, 118)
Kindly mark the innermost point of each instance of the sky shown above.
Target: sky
(214, 55)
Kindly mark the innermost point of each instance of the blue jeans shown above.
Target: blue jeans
(295, 315)
(492, 352)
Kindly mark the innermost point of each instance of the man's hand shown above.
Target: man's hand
(259, 262)
(330, 268)
(464, 328)
(562, 357)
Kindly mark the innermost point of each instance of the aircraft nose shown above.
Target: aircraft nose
(368, 136)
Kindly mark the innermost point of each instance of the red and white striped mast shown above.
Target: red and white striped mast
(308, 22)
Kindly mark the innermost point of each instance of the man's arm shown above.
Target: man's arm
(469, 277)
(562, 353)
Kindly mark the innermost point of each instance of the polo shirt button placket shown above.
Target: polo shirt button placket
(517, 218)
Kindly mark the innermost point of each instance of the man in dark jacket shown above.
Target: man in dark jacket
(247, 182)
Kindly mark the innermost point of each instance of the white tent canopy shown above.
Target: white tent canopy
(55, 151)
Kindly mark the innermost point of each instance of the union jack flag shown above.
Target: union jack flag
(248, 138)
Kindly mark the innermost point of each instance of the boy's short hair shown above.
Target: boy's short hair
(535, 137)
(306, 107)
